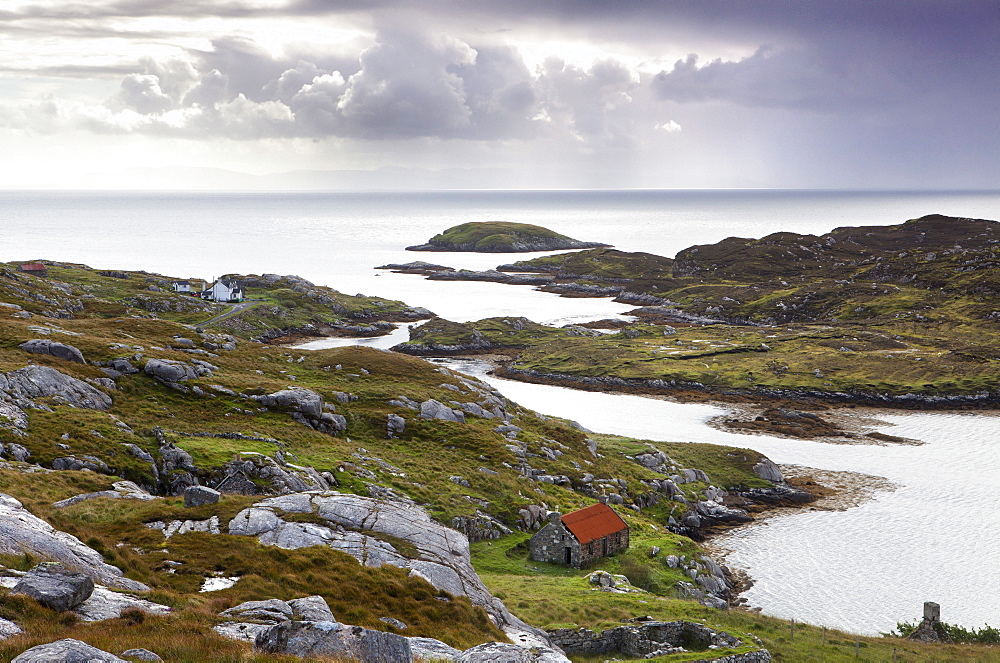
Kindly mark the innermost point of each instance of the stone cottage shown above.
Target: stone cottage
(577, 538)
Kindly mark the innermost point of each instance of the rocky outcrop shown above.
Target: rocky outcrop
(335, 640)
(44, 346)
(52, 585)
(307, 407)
(253, 473)
(23, 533)
(20, 387)
(169, 371)
(67, 651)
(441, 558)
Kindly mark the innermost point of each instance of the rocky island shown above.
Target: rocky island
(501, 237)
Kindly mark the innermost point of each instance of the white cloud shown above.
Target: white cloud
(669, 127)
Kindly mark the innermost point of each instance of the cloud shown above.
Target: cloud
(781, 78)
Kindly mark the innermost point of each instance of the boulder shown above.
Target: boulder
(9, 629)
(54, 586)
(126, 490)
(168, 370)
(21, 532)
(334, 640)
(311, 609)
(767, 470)
(44, 346)
(432, 409)
(270, 610)
(296, 399)
(141, 654)
(496, 652)
(67, 651)
(429, 649)
(395, 426)
(199, 495)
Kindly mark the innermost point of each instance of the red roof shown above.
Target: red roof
(32, 267)
(593, 522)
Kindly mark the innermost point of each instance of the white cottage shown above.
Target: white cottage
(181, 286)
(225, 290)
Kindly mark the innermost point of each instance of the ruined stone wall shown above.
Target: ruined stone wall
(639, 640)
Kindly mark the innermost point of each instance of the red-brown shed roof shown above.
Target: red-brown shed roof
(32, 267)
(593, 522)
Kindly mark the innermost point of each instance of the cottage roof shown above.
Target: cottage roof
(593, 522)
(32, 267)
(232, 284)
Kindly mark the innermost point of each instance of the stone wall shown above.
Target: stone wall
(609, 545)
(638, 640)
(549, 545)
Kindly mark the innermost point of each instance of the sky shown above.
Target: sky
(274, 94)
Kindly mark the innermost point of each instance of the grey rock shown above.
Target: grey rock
(43, 381)
(335, 640)
(393, 622)
(105, 604)
(395, 426)
(429, 649)
(21, 532)
(43, 346)
(84, 462)
(245, 631)
(122, 490)
(270, 610)
(496, 652)
(54, 586)
(311, 609)
(296, 399)
(18, 452)
(67, 651)
(141, 654)
(432, 409)
(9, 629)
(199, 495)
(767, 470)
(168, 370)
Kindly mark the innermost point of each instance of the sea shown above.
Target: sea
(931, 536)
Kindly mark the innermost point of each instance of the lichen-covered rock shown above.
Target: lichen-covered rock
(54, 586)
(44, 346)
(395, 426)
(429, 649)
(105, 604)
(67, 651)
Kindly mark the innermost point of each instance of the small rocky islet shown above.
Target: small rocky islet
(501, 237)
(180, 490)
